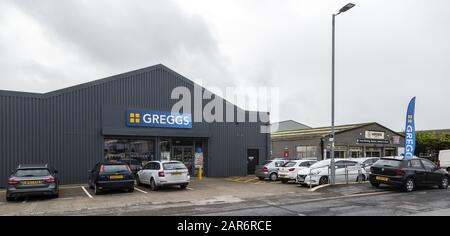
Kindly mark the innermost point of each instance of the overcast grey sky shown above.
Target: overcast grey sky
(387, 51)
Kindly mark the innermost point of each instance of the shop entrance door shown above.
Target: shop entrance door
(252, 160)
(184, 154)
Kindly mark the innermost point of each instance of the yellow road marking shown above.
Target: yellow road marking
(252, 179)
(246, 179)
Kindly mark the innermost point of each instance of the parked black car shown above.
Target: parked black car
(111, 175)
(408, 173)
(32, 180)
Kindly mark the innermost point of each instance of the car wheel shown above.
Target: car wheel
(323, 180)
(261, 178)
(183, 186)
(96, 190)
(409, 185)
(130, 190)
(376, 185)
(304, 185)
(90, 184)
(444, 183)
(9, 199)
(153, 186)
(273, 177)
(284, 181)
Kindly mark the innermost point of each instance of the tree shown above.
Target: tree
(432, 141)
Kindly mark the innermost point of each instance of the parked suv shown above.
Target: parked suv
(408, 173)
(269, 169)
(31, 180)
(164, 173)
(111, 175)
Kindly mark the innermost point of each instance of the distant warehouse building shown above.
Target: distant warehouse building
(287, 125)
(128, 118)
(351, 141)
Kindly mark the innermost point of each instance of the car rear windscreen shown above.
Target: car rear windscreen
(115, 168)
(174, 166)
(290, 164)
(267, 162)
(32, 173)
(388, 163)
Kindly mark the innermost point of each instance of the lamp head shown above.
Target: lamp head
(346, 7)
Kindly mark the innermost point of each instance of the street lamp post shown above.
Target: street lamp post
(332, 167)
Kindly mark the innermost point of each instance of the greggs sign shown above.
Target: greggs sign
(143, 118)
(410, 130)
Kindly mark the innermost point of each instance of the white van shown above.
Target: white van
(444, 159)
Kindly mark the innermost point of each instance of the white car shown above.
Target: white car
(289, 171)
(164, 173)
(366, 162)
(318, 173)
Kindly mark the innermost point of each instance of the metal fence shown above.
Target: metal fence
(345, 176)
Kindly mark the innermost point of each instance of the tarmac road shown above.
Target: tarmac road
(392, 203)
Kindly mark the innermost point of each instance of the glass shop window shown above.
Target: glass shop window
(131, 151)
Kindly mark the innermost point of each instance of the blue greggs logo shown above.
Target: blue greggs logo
(143, 118)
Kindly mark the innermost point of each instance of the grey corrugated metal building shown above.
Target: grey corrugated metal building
(351, 141)
(76, 127)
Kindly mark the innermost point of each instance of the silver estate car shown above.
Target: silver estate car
(269, 170)
(164, 173)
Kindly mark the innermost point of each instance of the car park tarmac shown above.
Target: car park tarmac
(209, 196)
(82, 199)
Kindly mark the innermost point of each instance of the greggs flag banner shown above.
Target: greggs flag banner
(410, 131)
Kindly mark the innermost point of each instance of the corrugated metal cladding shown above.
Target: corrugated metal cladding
(66, 128)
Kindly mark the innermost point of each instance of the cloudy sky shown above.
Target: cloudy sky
(387, 51)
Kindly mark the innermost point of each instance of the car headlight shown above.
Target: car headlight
(315, 172)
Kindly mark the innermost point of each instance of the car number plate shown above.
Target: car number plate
(32, 182)
(381, 178)
(116, 177)
(176, 173)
